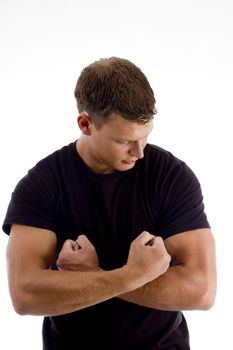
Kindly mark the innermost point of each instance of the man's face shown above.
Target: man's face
(117, 144)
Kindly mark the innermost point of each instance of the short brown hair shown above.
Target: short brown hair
(115, 86)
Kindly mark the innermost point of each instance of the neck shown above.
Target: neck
(89, 159)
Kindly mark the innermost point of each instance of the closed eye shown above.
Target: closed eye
(122, 142)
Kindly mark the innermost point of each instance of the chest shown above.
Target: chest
(110, 213)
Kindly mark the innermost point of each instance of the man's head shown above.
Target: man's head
(113, 86)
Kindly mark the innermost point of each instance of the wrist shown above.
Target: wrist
(131, 278)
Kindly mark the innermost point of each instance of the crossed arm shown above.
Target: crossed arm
(146, 279)
(188, 285)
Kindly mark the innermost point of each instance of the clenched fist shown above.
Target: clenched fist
(79, 255)
(148, 257)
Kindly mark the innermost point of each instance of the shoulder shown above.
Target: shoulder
(158, 155)
(166, 172)
(56, 159)
(44, 175)
(163, 164)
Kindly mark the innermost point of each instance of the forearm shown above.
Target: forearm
(58, 292)
(37, 290)
(177, 289)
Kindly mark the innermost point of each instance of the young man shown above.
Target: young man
(108, 236)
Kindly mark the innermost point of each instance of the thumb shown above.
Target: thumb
(147, 238)
(68, 245)
(82, 241)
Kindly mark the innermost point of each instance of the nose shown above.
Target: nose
(136, 150)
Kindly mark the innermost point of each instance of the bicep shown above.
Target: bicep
(194, 257)
(29, 248)
(29, 254)
(194, 248)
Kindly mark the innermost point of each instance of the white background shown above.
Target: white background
(185, 49)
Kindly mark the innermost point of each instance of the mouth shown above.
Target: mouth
(131, 162)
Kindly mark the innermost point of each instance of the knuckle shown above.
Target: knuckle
(59, 262)
(159, 240)
(91, 247)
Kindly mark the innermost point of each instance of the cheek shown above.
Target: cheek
(120, 150)
(115, 153)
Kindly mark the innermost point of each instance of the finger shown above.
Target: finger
(155, 241)
(150, 242)
(83, 241)
(77, 247)
(147, 238)
(68, 245)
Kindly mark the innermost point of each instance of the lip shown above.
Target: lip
(129, 162)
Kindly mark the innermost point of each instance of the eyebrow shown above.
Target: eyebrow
(125, 140)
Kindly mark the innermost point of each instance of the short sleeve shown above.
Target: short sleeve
(182, 207)
(32, 202)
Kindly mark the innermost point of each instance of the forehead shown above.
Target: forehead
(121, 128)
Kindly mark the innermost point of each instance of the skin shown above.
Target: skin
(189, 285)
(36, 290)
(146, 279)
(117, 145)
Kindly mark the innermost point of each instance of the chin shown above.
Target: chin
(125, 166)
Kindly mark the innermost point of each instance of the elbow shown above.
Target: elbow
(207, 301)
(20, 309)
(22, 300)
(206, 295)
(20, 304)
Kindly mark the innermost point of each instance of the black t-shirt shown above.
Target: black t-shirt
(160, 194)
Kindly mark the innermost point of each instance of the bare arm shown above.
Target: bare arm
(191, 283)
(37, 290)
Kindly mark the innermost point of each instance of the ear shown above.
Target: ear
(84, 123)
